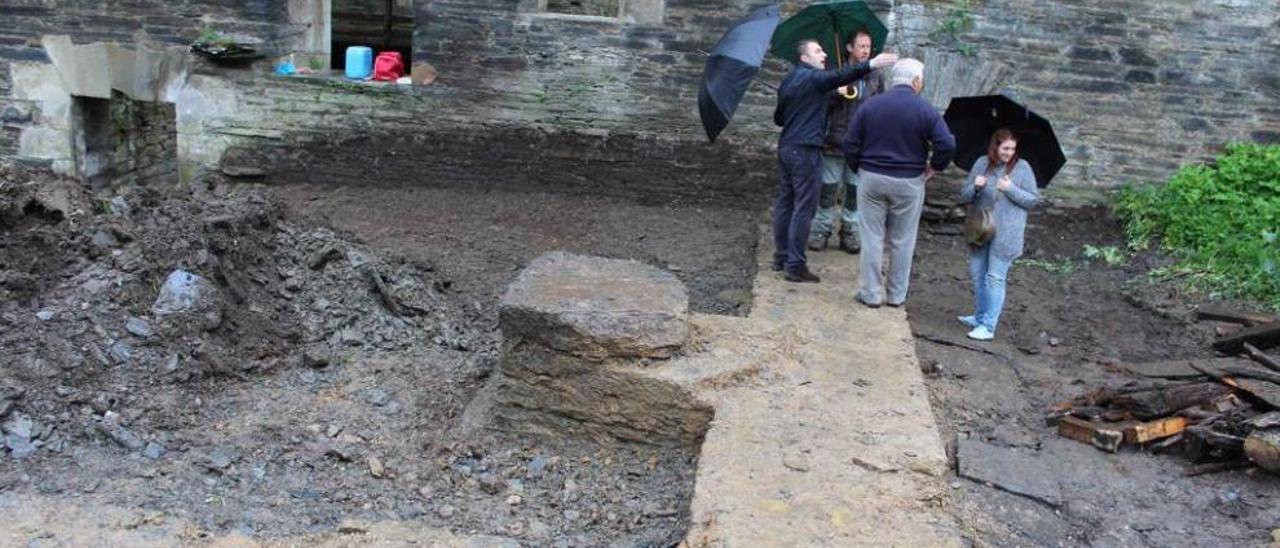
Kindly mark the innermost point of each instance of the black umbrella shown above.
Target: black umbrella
(733, 63)
(973, 119)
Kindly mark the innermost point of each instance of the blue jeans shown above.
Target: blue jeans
(988, 273)
(801, 169)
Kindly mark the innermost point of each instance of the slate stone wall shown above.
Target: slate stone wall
(1135, 87)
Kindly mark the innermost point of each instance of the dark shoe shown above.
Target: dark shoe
(850, 243)
(895, 305)
(865, 303)
(776, 267)
(802, 276)
(818, 243)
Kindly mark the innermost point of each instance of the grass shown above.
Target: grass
(1064, 266)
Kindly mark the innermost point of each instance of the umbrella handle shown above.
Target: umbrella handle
(839, 60)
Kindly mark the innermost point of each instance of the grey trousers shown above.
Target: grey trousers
(888, 209)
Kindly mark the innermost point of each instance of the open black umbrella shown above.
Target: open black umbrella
(973, 119)
(733, 63)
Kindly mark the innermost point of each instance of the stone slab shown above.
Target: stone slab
(1017, 471)
(596, 308)
(823, 434)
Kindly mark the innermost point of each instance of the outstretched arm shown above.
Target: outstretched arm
(827, 80)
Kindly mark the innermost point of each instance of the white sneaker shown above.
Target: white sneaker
(970, 321)
(981, 333)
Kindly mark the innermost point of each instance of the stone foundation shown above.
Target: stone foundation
(577, 333)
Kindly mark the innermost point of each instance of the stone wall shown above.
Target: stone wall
(1135, 87)
(141, 142)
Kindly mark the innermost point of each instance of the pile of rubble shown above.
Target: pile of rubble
(102, 298)
(1223, 413)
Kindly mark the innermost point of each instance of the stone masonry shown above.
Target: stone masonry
(576, 334)
(1135, 87)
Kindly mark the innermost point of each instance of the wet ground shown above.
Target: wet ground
(1066, 316)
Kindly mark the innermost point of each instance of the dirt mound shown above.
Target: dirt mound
(81, 275)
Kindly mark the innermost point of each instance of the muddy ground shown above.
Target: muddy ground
(481, 239)
(1066, 318)
(297, 394)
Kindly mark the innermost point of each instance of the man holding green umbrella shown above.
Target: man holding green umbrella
(842, 27)
(802, 113)
(841, 106)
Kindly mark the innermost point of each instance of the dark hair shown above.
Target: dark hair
(860, 30)
(801, 45)
(1000, 136)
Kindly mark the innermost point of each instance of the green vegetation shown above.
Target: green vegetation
(1065, 266)
(211, 35)
(955, 23)
(1220, 220)
(1109, 254)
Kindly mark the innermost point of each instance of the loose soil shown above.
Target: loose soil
(481, 239)
(302, 400)
(1061, 326)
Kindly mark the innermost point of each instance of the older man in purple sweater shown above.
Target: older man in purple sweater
(888, 146)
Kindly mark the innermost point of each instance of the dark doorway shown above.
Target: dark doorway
(384, 25)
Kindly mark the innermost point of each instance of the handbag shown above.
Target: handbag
(979, 225)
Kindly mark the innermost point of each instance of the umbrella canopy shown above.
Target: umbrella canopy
(974, 119)
(733, 63)
(831, 24)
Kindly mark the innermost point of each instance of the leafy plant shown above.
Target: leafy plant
(1109, 254)
(211, 35)
(1220, 220)
(1065, 266)
(316, 63)
(957, 21)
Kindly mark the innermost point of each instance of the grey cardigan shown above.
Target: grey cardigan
(1009, 208)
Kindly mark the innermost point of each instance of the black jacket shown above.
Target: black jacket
(840, 110)
(802, 102)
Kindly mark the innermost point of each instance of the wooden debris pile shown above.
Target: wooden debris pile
(1222, 413)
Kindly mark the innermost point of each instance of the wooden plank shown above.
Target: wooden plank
(1161, 402)
(1261, 389)
(1157, 429)
(1262, 358)
(1263, 336)
(1104, 437)
(1231, 315)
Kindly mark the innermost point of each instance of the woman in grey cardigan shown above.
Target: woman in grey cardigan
(1004, 184)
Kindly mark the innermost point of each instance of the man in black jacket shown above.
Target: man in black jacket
(802, 113)
(836, 175)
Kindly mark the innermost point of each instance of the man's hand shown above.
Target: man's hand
(1004, 183)
(884, 60)
(929, 172)
(843, 90)
(980, 182)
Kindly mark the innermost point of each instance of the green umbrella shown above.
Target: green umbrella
(830, 23)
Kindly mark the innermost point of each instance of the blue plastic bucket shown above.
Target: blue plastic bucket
(359, 62)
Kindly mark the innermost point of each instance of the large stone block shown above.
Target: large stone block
(597, 308)
(576, 331)
(550, 392)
